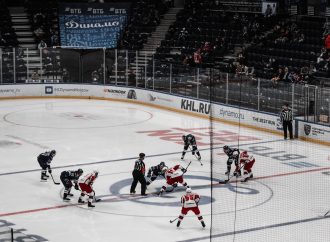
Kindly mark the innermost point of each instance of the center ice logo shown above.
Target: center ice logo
(170, 199)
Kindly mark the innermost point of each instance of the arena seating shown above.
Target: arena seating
(7, 34)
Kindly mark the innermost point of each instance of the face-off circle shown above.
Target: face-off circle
(250, 196)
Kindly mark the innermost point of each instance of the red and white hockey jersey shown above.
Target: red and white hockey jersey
(88, 179)
(190, 200)
(245, 157)
(173, 172)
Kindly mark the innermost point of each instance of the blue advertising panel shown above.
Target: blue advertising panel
(88, 26)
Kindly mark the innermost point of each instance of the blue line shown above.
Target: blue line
(257, 229)
(124, 159)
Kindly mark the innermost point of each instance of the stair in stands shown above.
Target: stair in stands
(25, 36)
(144, 57)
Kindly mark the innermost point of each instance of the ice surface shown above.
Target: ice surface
(285, 203)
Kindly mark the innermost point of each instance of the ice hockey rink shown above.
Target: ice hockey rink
(286, 201)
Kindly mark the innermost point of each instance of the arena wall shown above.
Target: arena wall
(248, 118)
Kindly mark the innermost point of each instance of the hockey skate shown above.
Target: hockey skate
(90, 205)
(43, 177)
(247, 178)
(182, 157)
(203, 224)
(80, 201)
(178, 224)
(65, 198)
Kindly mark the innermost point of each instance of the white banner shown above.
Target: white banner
(248, 117)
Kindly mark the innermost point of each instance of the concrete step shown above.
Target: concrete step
(30, 46)
(22, 27)
(26, 40)
(19, 15)
(20, 21)
(24, 33)
(32, 52)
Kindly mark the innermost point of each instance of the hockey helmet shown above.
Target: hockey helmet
(183, 137)
(188, 190)
(96, 173)
(244, 153)
(226, 147)
(53, 153)
(142, 155)
(79, 171)
(162, 164)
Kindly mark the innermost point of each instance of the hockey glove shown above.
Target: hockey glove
(76, 186)
(50, 171)
(237, 173)
(184, 170)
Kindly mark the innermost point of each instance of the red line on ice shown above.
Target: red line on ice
(127, 198)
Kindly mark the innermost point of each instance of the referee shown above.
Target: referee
(138, 175)
(286, 119)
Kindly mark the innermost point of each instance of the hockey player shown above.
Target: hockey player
(154, 172)
(190, 202)
(67, 177)
(190, 140)
(44, 160)
(85, 184)
(173, 176)
(247, 161)
(233, 155)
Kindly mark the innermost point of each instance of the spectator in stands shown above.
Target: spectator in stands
(327, 42)
(35, 76)
(268, 11)
(39, 32)
(42, 44)
(3, 42)
(183, 34)
(198, 57)
(322, 60)
(286, 75)
(278, 77)
(65, 75)
(54, 39)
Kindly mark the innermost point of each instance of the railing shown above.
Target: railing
(143, 70)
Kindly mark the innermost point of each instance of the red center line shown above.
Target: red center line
(134, 197)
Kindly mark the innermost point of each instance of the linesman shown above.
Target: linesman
(286, 119)
(138, 175)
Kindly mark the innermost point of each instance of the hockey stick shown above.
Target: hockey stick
(196, 156)
(229, 178)
(56, 183)
(326, 213)
(171, 221)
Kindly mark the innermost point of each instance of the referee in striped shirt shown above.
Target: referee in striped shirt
(286, 119)
(138, 175)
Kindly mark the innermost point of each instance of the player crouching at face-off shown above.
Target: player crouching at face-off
(67, 177)
(85, 184)
(190, 202)
(173, 176)
(246, 161)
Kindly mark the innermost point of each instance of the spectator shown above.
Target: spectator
(278, 78)
(198, 57)
(327, 42)
(42, 44)
(287, 75)
(35, 76)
